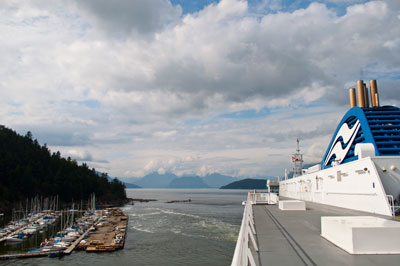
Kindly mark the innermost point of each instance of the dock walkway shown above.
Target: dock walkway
(75, 243)
(288, 238)
(25, 255)
(19, 230)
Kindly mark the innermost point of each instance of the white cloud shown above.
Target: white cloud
(149, 95)
(79, 155)
(121, 17)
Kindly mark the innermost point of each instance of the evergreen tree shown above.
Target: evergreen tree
(28, 169)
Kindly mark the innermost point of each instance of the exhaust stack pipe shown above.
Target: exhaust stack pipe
(374, 93)
(361, 94)
(352, 94)
(366, 99)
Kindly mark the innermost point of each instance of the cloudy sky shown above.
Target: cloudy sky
(191, 86)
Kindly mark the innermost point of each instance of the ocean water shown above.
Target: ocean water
(202, 232)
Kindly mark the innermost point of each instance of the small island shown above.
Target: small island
(247, 183)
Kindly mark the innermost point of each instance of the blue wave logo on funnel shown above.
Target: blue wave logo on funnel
(340, 147)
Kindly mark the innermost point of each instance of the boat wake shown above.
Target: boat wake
(181, 214)
(142, 230)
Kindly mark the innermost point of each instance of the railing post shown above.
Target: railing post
(391, 202)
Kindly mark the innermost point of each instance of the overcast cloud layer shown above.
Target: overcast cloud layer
(139, 86)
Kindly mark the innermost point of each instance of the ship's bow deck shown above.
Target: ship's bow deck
(293, 238)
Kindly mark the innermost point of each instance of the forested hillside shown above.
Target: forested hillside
(28, 169)
(247, 183)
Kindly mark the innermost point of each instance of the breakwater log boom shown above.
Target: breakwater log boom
(345, 205)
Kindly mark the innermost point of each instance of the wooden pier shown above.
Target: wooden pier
(109, 235)
(26, 255)
(75, 243)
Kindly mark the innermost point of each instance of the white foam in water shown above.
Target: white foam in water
(142, 230)
(176, 231)
(181, 214)
(148, 214)
(219, 229)
(126, 208)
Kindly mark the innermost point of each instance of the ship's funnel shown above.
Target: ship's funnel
(352, 94)
(360, 94)
(366, 100)
(374, 93)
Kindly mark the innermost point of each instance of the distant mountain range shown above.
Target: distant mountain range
(188, 182)
(155, 180)
(215, 180)
(169, 180)
(129, 185)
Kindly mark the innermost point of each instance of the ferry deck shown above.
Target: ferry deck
(294, 238)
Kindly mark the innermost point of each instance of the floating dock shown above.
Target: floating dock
(109, 234)
(75, 243)
(26, 255)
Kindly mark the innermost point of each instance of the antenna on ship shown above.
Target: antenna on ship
(297, 159)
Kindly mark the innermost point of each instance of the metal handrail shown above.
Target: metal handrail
(391, 203)
(242, 255)
(263, 197)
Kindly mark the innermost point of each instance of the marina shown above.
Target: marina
(38, 215)
(109, 236)
(76, 226)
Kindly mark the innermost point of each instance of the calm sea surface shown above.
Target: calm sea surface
(202, 232)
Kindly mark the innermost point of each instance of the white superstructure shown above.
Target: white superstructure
(367, 184)
(361, 167)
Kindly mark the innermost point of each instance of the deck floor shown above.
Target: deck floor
(293, 238)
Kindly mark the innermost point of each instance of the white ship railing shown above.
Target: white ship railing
(391, 202)
(263, 198)
(243, 255)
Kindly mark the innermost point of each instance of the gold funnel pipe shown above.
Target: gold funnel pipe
(352, 94)
(377, 99)
(366, 100)
(360, 94)
(373, 91)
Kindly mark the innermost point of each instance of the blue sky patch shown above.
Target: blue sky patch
(266, 7)
(192, 5)
(247, 114)
(88, 103)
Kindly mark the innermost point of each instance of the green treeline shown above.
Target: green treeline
(28, 169)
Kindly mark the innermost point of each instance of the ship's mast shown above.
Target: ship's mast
(297, 160)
